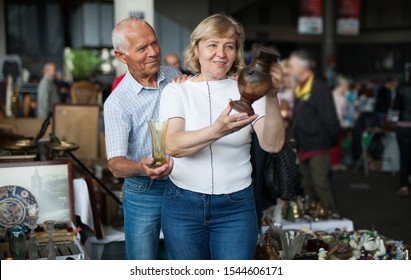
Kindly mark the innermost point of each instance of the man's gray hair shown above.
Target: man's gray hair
(305, 57)
(119, 33)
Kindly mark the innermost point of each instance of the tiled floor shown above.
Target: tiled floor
(370, 202)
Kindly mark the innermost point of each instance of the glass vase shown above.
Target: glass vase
(158, 129)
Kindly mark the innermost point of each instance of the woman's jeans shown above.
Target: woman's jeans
(201, 227)
(142, 217)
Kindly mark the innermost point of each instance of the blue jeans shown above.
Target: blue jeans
(201, 227)
(142, 217)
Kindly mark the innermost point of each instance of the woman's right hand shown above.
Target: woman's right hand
(228, 123)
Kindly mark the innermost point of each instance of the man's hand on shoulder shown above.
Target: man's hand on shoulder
(181, 79)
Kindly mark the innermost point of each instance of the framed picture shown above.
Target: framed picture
(47, 183)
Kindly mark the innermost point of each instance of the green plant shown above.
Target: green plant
(82, 63)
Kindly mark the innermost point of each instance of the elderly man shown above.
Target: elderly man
(126, 111)
(316, 128)
(47, 93)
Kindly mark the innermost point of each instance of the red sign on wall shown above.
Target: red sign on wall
(348, 17)
(310, 20)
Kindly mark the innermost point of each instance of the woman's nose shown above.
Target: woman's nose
(221, 51)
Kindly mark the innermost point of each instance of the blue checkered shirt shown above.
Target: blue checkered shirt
(126, 112)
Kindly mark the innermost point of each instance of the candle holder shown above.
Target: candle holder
(32, 243)
(51, 247)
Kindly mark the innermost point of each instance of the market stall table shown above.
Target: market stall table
(321, 225)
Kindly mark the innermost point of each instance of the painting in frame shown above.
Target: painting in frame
(50, 182)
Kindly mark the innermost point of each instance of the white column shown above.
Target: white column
(138, 8)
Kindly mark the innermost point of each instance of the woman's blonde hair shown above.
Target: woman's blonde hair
(217, 25)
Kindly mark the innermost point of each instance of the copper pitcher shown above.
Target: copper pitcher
(254, 80)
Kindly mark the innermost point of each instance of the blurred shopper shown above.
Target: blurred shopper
(385, 99)
(286, 95)
(403, 132)
(126, 111)
(316, 128)
(208, 208)
(63, 88)
(47, 92)
(341, 104)
(116, 81)
(366, 117)
(173, 60)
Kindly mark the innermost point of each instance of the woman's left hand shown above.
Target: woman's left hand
(277, 77)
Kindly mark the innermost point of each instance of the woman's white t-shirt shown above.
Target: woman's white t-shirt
(224, 166)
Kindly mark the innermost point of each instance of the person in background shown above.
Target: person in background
(315, 127)
(341, 102)
(134, 101)
(402, 103)
(385, 99)
(172, 60)
(47, 92)
(63, 88)
(286, 95)
(208, 208)
(117, 80)
(365, 117)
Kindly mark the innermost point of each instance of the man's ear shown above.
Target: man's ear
(120, 55)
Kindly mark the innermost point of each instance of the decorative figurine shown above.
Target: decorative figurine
(399, 250)
(363, 255)
(271, 249)
(322, 254)
(354, 244)
(380, 250)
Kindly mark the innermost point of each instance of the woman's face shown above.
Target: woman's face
(216, 56)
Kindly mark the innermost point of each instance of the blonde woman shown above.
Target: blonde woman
(208, 206)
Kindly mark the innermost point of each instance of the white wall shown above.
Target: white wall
(91, 25)
(188, 13)
(172, 36)
(175, 20)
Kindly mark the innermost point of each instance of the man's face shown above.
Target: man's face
(173, 61)
(143, 54)
(295, 68)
